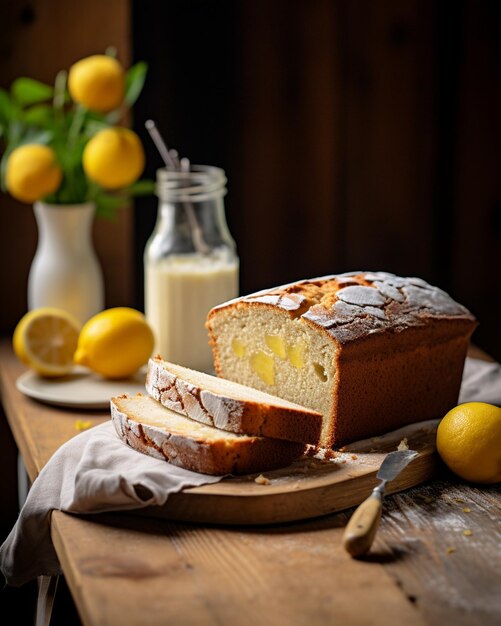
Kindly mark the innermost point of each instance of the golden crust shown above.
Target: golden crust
(233, 408)
(191, 450)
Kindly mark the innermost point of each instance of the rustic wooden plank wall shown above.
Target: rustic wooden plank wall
(388, 90)
(476, 243)
(37, 39)
(337, 138)
(290, 162)
(368, 137)
(354, 134)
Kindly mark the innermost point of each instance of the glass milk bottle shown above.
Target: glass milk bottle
(190, 263)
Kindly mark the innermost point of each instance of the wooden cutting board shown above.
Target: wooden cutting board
(310, 487)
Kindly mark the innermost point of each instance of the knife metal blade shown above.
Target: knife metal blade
(393, 464)
(361, 528)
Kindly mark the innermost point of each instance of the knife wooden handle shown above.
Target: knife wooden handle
(361, 528)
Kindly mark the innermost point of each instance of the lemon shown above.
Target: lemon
(114, 158)
(115, 343)
(469, 441)
(97, 82)
(32, 172)
(45, 340)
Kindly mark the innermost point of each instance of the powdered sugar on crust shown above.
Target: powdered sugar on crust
(223, 411)
(431, 300)
(389, 291)
(289, 302)
(130, 432)
(359, 303)
(187, 399)
(361, 296)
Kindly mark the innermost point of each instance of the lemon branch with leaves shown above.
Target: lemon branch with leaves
(64, 144)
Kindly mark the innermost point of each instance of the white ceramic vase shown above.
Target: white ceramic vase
(65, 272)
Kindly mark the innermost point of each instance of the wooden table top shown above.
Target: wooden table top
(125, 569)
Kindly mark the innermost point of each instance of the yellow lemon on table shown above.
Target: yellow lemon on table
(45, 340)
(97, 82)
(32, 172)
(115, 343)
(469, 441)
(114, 158)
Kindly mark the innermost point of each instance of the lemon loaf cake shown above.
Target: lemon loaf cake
(229, 405)
(371, 351)
(145, 425)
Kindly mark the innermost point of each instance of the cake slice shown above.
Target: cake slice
(230, 406)
(145, 425)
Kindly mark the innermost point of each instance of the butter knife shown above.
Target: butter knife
(361, 528)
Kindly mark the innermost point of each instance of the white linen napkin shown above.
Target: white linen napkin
(91, 473)
(95, 472)
(481, 382)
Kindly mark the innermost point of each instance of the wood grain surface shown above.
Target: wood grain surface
(186, 574)
(443, 543)
(294, 573)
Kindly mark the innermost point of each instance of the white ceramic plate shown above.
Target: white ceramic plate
(80, 389)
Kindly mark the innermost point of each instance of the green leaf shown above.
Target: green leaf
(134, 82)
(107, 205)
(92, 127)
(141, 188)
(30, 91)
(69, 157)
(15, 133)
(94, 116)
(39, 115)
(3, 169)
(6, 108)
(36, 135)
(114, 117)
(60, 92)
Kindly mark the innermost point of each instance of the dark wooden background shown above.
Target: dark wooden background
(355, 134)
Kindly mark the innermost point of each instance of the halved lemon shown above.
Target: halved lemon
(46, 339)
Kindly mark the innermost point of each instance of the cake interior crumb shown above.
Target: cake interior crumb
(262, 480)
(403, 445)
